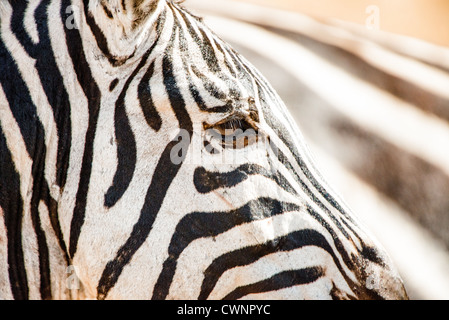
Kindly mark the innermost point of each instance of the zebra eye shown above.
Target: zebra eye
(236, 133)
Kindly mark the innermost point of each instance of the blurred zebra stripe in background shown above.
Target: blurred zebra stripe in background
(374, 108)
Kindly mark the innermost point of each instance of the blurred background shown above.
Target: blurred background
(368, 84)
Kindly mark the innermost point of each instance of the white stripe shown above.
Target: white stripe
(23, 165)
(79, 115)
(270, 265)
(307, 292)
(17, 147)
(306, 179)
(5, 288)
(63, 286)
(43, 109)
(57, 264)
(203, 251)
(29, 21)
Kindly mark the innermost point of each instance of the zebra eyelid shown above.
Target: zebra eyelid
(250, 116)
(233, 118)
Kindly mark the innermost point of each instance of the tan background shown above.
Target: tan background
(424, 19)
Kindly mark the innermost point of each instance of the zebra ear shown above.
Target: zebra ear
(116, 25)
(128, 13)
(138, 10)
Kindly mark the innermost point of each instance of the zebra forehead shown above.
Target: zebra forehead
(121, 27)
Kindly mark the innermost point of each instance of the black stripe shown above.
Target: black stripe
(44, 261)
(126, 155)
(107, 11)
(245, 76)
(210, 224)
(208, 85)
(208, 53)
(249, 255)
(93, 94)
(279, 281)
(25, 114)
(52, 206)
(32, 131)
(100, 39)
(338, 244)
(12, 205)
(37, 172)
(211, 59)
(221, 48)
(338, 222)
(113, 84)
(312, 196)
(18, 28)
(206, 181)
(163, 176)
(152, 116)
(149, 110)
(354, 263)
(126, 142)
(19, 98)
(51, 80)
(56, 94)
(203, 43)
(98, 34)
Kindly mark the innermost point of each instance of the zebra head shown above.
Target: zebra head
(177, 170)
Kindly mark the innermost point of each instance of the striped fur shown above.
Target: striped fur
(97, 99)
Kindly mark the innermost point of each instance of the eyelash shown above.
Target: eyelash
(234, 124)
(227, 131)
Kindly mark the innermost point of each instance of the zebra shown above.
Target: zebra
(116, 122)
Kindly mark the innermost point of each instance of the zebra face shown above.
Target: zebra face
(173, 169)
